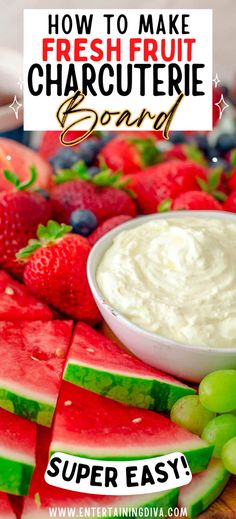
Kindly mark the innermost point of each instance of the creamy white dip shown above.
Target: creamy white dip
(176, 278)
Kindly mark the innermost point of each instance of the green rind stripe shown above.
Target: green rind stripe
(163, 502)
(146, 393)
(35, 411)
(15, 476)
(198, 458)
(212, 493)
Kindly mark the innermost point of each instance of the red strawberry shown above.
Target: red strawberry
(55, 271)
(163, 181)
(20, 214)
(196, 200)
(129, 155)
(104, 194)
(50, 142)
(19, 159)
(230, 203)
(107, 226)
(185, 152)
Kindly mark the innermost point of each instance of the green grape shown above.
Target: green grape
(229, 455)
(219, 431)
(190, 414)
(217, 391)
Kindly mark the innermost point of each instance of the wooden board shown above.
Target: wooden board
(225, 506)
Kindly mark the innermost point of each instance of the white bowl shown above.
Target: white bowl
(184, 361)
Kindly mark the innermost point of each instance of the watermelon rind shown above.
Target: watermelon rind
(15, 476)
(144, 392)
(33, 410)
(198, 457)
(163, 501)
(204, 489)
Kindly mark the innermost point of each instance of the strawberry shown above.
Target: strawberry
(19, 159)
(20, 214)
(167, 180)
(196, 200)
(230, 203)
(50, 142)
(185, 152)
(55, 271)
(107, 226)
(129, 155)
(104, 194)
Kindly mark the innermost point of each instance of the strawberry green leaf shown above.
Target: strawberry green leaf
(164, 206)
(47, 234)
(32, 246)
(233, 157)
(214, 178)
(219, 195)
(193, 153)
(11, 177)
(202, 184)
(148, 150)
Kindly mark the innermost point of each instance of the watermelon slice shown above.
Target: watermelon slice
(17, 304)
(34, 355)
(92, 426)
(6, 511)
(17, 458)
(38, 507)
(100, 365)
(204, 488)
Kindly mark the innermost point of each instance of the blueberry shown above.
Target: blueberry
(93, 171)
(177, 137)
(201, 142)
(88, 151)
(107, 137)
(83, 222)
(226, 141)
(213, 156)
(65, 158)
(44, 193)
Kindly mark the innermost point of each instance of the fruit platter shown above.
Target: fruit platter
(135, 358)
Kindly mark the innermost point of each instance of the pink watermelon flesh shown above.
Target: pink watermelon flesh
(17, 453)
(89, 425)
(17, 304)
(37, 507)
(5, 507)
(100, 365)
(204, 488)
(34, 354)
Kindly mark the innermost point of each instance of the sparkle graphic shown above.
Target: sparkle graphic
(15, 106)
(20, 83)
(216, 80)
(222, 105)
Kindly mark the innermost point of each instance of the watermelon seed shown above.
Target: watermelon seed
(60, 353)
(9, 291)
(34, 358)
(90, 350)
(67, 403)
(137, 420)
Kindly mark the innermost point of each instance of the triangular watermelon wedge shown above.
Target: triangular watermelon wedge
(17, 453)
(100, 365)
(91, 426)
(204, 488)
(17, 304)
(6, 511)
(34, 355)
